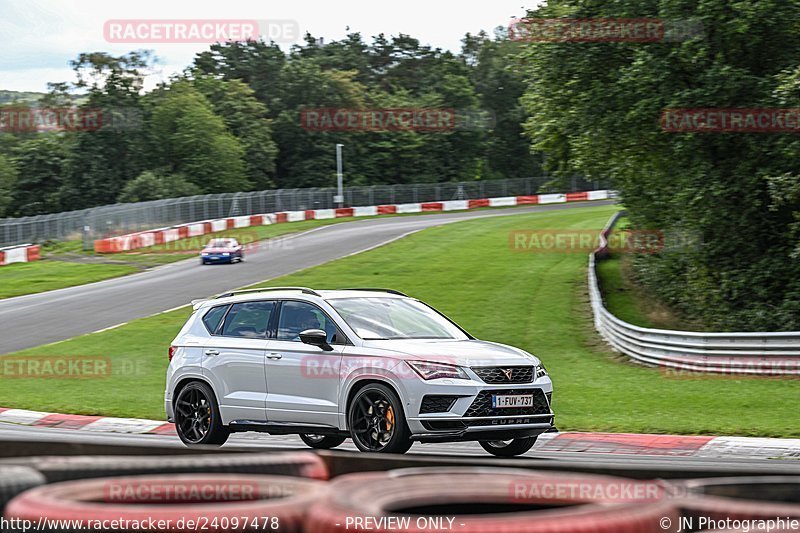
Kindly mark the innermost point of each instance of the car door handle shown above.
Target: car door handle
(274, 356)
(212, 352)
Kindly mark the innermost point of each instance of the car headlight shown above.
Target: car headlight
(428, 370)
(225, 253)
(540, 371)
(204, 254)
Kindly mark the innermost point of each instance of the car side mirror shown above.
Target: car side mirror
(316, 337)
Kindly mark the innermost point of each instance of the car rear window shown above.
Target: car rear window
(248, 319)
(213, 317)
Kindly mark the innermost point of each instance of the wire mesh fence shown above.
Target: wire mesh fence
(117, 219)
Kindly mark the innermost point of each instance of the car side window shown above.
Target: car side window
(213, 317)
(248, 319)
(300, 316)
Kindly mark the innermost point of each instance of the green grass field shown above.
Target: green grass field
(619, 295)
(632, 303)
(18, 279)
(66, 264)
(536, 301)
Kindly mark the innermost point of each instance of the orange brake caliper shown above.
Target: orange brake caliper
(389, 419)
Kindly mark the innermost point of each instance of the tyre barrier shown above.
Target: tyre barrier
(742, 498)
(189, 502)
(15, 480)
(482, 500)
(300, 464)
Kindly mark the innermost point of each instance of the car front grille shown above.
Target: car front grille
(437, 403)
(482, 405)
(501, 375)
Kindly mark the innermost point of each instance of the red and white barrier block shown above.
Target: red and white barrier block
(133, 241)
(22, 253)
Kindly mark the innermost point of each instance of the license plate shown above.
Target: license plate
(512, 400)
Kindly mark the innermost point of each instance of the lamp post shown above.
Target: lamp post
(339, 198)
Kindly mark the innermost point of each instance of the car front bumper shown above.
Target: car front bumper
(472, 416)
(218, 258)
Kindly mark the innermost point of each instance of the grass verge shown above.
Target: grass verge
(536, 301)
(19, 279)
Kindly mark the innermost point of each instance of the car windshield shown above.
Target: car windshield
(395, 318)
(219, 243)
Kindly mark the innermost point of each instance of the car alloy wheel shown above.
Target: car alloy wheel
(197, 418)
(322, 442)
(377, 423)
(193, 415)
(508, 448)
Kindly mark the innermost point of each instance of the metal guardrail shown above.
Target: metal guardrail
(687, 352)
(117, 219)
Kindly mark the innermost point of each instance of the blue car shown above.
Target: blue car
(222, 251)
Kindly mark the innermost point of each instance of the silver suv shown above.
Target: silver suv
(372, 365)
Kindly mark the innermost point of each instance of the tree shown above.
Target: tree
(594, 108)
(305, 157)
(42, 164)
(8, 178)
(246, 118)
(112, 151)
(498, 81)
(187, 138)
(256, 63)
(151, 186)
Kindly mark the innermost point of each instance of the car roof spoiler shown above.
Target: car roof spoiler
(372, 289)
(304, 290)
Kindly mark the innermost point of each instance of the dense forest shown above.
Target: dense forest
(232, 121)
(594, 108)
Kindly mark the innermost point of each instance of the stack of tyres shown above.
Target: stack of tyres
(490, 500)
(187, 502)
(738, 501)
(301, 464)
(17, 479)
(287, 492)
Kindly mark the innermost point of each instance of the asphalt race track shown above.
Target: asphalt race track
(43, 318)
(470, 450)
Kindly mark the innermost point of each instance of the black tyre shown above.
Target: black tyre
(17, 479)
(197, 417)
(482, 500)
(298, 464)
(218, 502)
(377, 422)
(508, 448)
(322, 442)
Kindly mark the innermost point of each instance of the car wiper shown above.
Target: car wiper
(404, 338)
